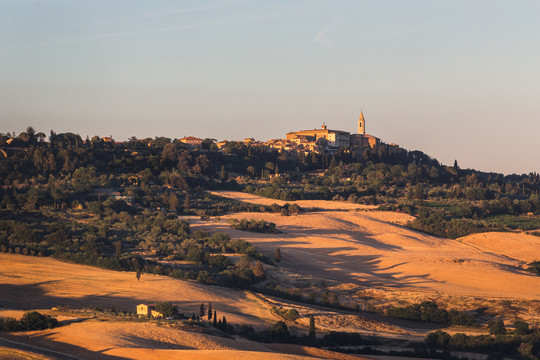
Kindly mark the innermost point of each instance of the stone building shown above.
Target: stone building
(149, 310)
(334, 138)
(191, 140)
(362, 140)
(361, 124)
(326, 138)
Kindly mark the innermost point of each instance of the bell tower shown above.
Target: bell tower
(361, 124)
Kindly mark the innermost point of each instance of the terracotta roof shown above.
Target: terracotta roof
(190, 138)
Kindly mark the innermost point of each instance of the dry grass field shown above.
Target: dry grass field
(372, 249)
(38, 283)
(320, 204)
(28, 283)
(352, 250)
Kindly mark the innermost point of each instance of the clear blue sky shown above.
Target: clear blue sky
(457, 79)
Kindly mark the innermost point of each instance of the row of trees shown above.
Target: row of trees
(522, 343)
(430, 311)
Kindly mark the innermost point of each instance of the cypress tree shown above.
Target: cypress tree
(173, 202)
(224, 324)
(202, 311)
(215, 318)
(223, 174)
(209, 312)
(187, 202)
(311, 327)
(118, 248)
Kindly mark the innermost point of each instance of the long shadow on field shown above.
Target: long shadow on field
(52, 347)
(359, 269)
(354, 237)
(331, 262)
(145, 343)
(34, 296)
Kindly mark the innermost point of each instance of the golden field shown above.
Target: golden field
(364, 256)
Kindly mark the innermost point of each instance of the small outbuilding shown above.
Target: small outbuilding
(148, 310)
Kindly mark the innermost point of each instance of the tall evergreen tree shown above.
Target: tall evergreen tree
(118, 248)
(202, 310)
(311, 327)
(187, 202)
(173, 202)
(209, 312)
(215, 318)
(223, 173)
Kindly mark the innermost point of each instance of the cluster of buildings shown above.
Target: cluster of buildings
(315, 140)
(334, 139)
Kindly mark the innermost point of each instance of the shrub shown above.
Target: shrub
(260, 226)
(219, 261)
(496, 327)
(35, 321)
(30, 321)
(534, 267)
(291, 314)
(280, 332)
(9, 324)
(460, 318)
(166, 309)
(287, 314)
(522, 328)
(243, 247)
(438, 338)
(258, 270)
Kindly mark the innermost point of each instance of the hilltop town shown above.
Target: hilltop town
(316, 140)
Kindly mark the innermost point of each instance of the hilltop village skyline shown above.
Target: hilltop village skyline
(322, 140)
(314, 140)
(428, 77)
(298, 144)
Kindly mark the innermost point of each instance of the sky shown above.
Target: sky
(457, 79)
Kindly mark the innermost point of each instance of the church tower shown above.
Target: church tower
(361, 124)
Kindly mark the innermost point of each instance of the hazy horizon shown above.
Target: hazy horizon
(457, 80)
